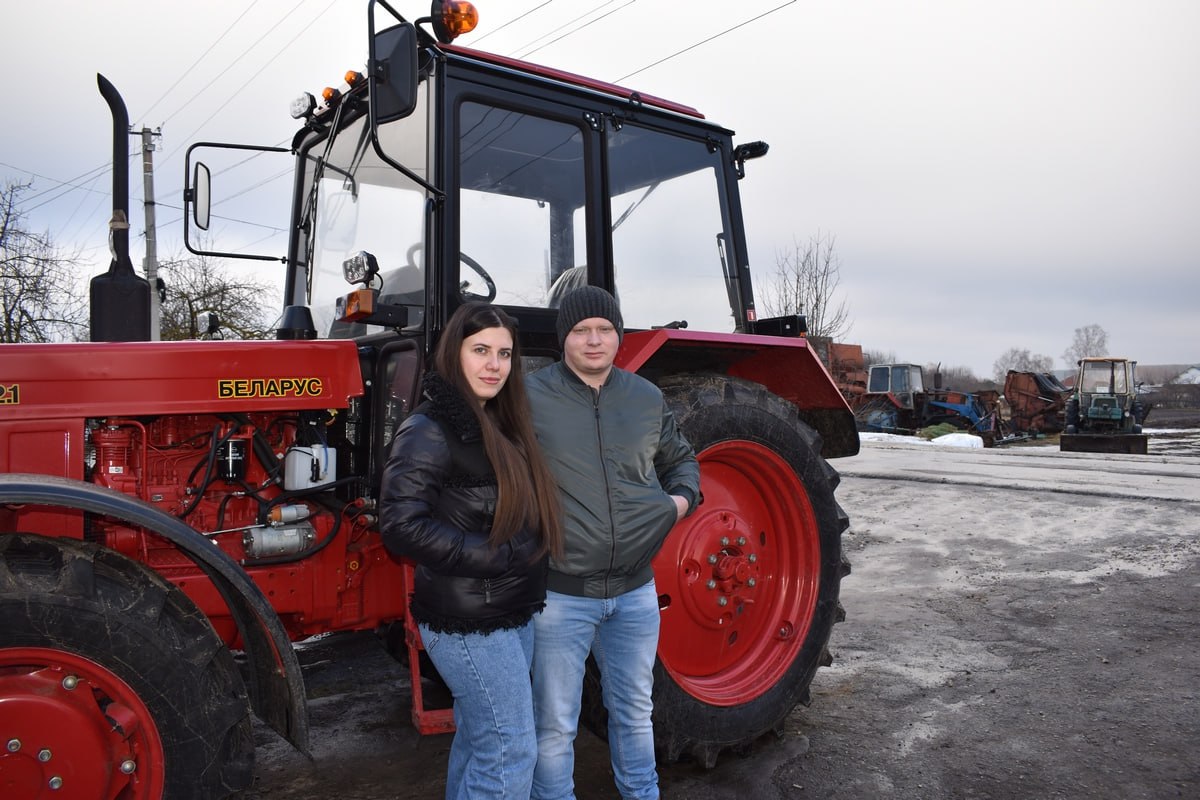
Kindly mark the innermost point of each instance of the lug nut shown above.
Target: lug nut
(128, 766)
(14, 745)
(712, 559)
(43, 756)
(741, 541)
(56, 783)
(724, 541)
(712, 584)
(750, 581)
(752, 557)
(70, 682)
(722, 601)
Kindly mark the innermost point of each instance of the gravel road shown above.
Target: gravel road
(1021, 623)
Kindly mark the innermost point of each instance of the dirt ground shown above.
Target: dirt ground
(1020, 623)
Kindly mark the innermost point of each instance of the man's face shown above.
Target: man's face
(590, 348)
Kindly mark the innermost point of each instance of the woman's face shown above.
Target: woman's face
(486, 361)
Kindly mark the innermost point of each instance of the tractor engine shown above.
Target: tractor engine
(246, 481)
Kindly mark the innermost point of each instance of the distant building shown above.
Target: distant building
(1181, 390)
(1190, 376)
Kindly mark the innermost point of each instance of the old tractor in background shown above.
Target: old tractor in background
(1104, 413)
(897, 401)
(165, 505)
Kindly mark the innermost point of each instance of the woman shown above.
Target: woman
(467, 496)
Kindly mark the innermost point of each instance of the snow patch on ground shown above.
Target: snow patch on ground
(949, 440)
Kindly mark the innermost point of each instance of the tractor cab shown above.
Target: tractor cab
(901, 381)
(442, 175)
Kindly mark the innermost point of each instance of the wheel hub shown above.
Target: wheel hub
(724, 564)
(71, 727)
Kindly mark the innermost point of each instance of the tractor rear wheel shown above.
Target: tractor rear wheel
(749, 583)
(113, 682)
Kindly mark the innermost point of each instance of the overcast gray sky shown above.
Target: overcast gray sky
(994, 175)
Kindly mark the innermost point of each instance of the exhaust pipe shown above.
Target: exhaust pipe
(120, 298)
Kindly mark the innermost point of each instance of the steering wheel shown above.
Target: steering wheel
(478, 269)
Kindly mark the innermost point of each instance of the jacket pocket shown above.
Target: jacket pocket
(670, 515)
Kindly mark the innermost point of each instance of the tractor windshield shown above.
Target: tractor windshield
(671, 257)
(1104, 377)
(526, 227)
(353, 201)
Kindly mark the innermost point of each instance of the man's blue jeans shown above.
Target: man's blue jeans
(494, 747)
(622, 633)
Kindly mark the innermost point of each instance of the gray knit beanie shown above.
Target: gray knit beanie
(584, 303)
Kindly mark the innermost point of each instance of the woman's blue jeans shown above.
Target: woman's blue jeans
(622, 633)
(495, 745)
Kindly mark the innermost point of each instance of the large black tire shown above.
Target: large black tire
(1071, 415)
(749, 582)
(91, 641)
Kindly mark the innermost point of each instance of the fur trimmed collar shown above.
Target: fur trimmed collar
(444, 403)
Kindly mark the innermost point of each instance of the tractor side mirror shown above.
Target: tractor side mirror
(392, 73)
(201, 195)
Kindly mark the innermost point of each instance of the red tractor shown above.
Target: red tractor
(174, 515)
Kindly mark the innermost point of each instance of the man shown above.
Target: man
(626, 475)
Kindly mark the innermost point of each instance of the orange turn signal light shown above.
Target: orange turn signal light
(356, 305)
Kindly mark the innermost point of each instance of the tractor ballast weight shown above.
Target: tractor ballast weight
(166, 504)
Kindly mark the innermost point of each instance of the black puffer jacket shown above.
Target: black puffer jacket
(436, 507)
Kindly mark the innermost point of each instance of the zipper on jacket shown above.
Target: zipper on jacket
(612, 529)
(487, 591)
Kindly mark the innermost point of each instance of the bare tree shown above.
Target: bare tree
(879, 357)
(244, 308)
(956, 377)
(1090, 340)
(1021, 361)
(805, 282)
(40, 297)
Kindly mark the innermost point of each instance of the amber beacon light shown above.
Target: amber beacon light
(452, 18)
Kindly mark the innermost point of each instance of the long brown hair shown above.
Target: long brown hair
(526, 492)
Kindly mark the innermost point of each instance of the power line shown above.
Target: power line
(528, 53)
(705, 41)
(196, 63)
(82, 200)
(515, 20)
(63, 190)
(245, 53)
(57, 183)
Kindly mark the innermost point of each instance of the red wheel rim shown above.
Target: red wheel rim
(70, 728)
(738, 580)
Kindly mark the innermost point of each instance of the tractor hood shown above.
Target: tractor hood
(49, 381)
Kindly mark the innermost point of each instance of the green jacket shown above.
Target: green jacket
(617, 456)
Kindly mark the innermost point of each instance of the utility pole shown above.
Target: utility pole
(150, 263)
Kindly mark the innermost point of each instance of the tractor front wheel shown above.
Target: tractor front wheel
(112, 682)
(748, 584)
